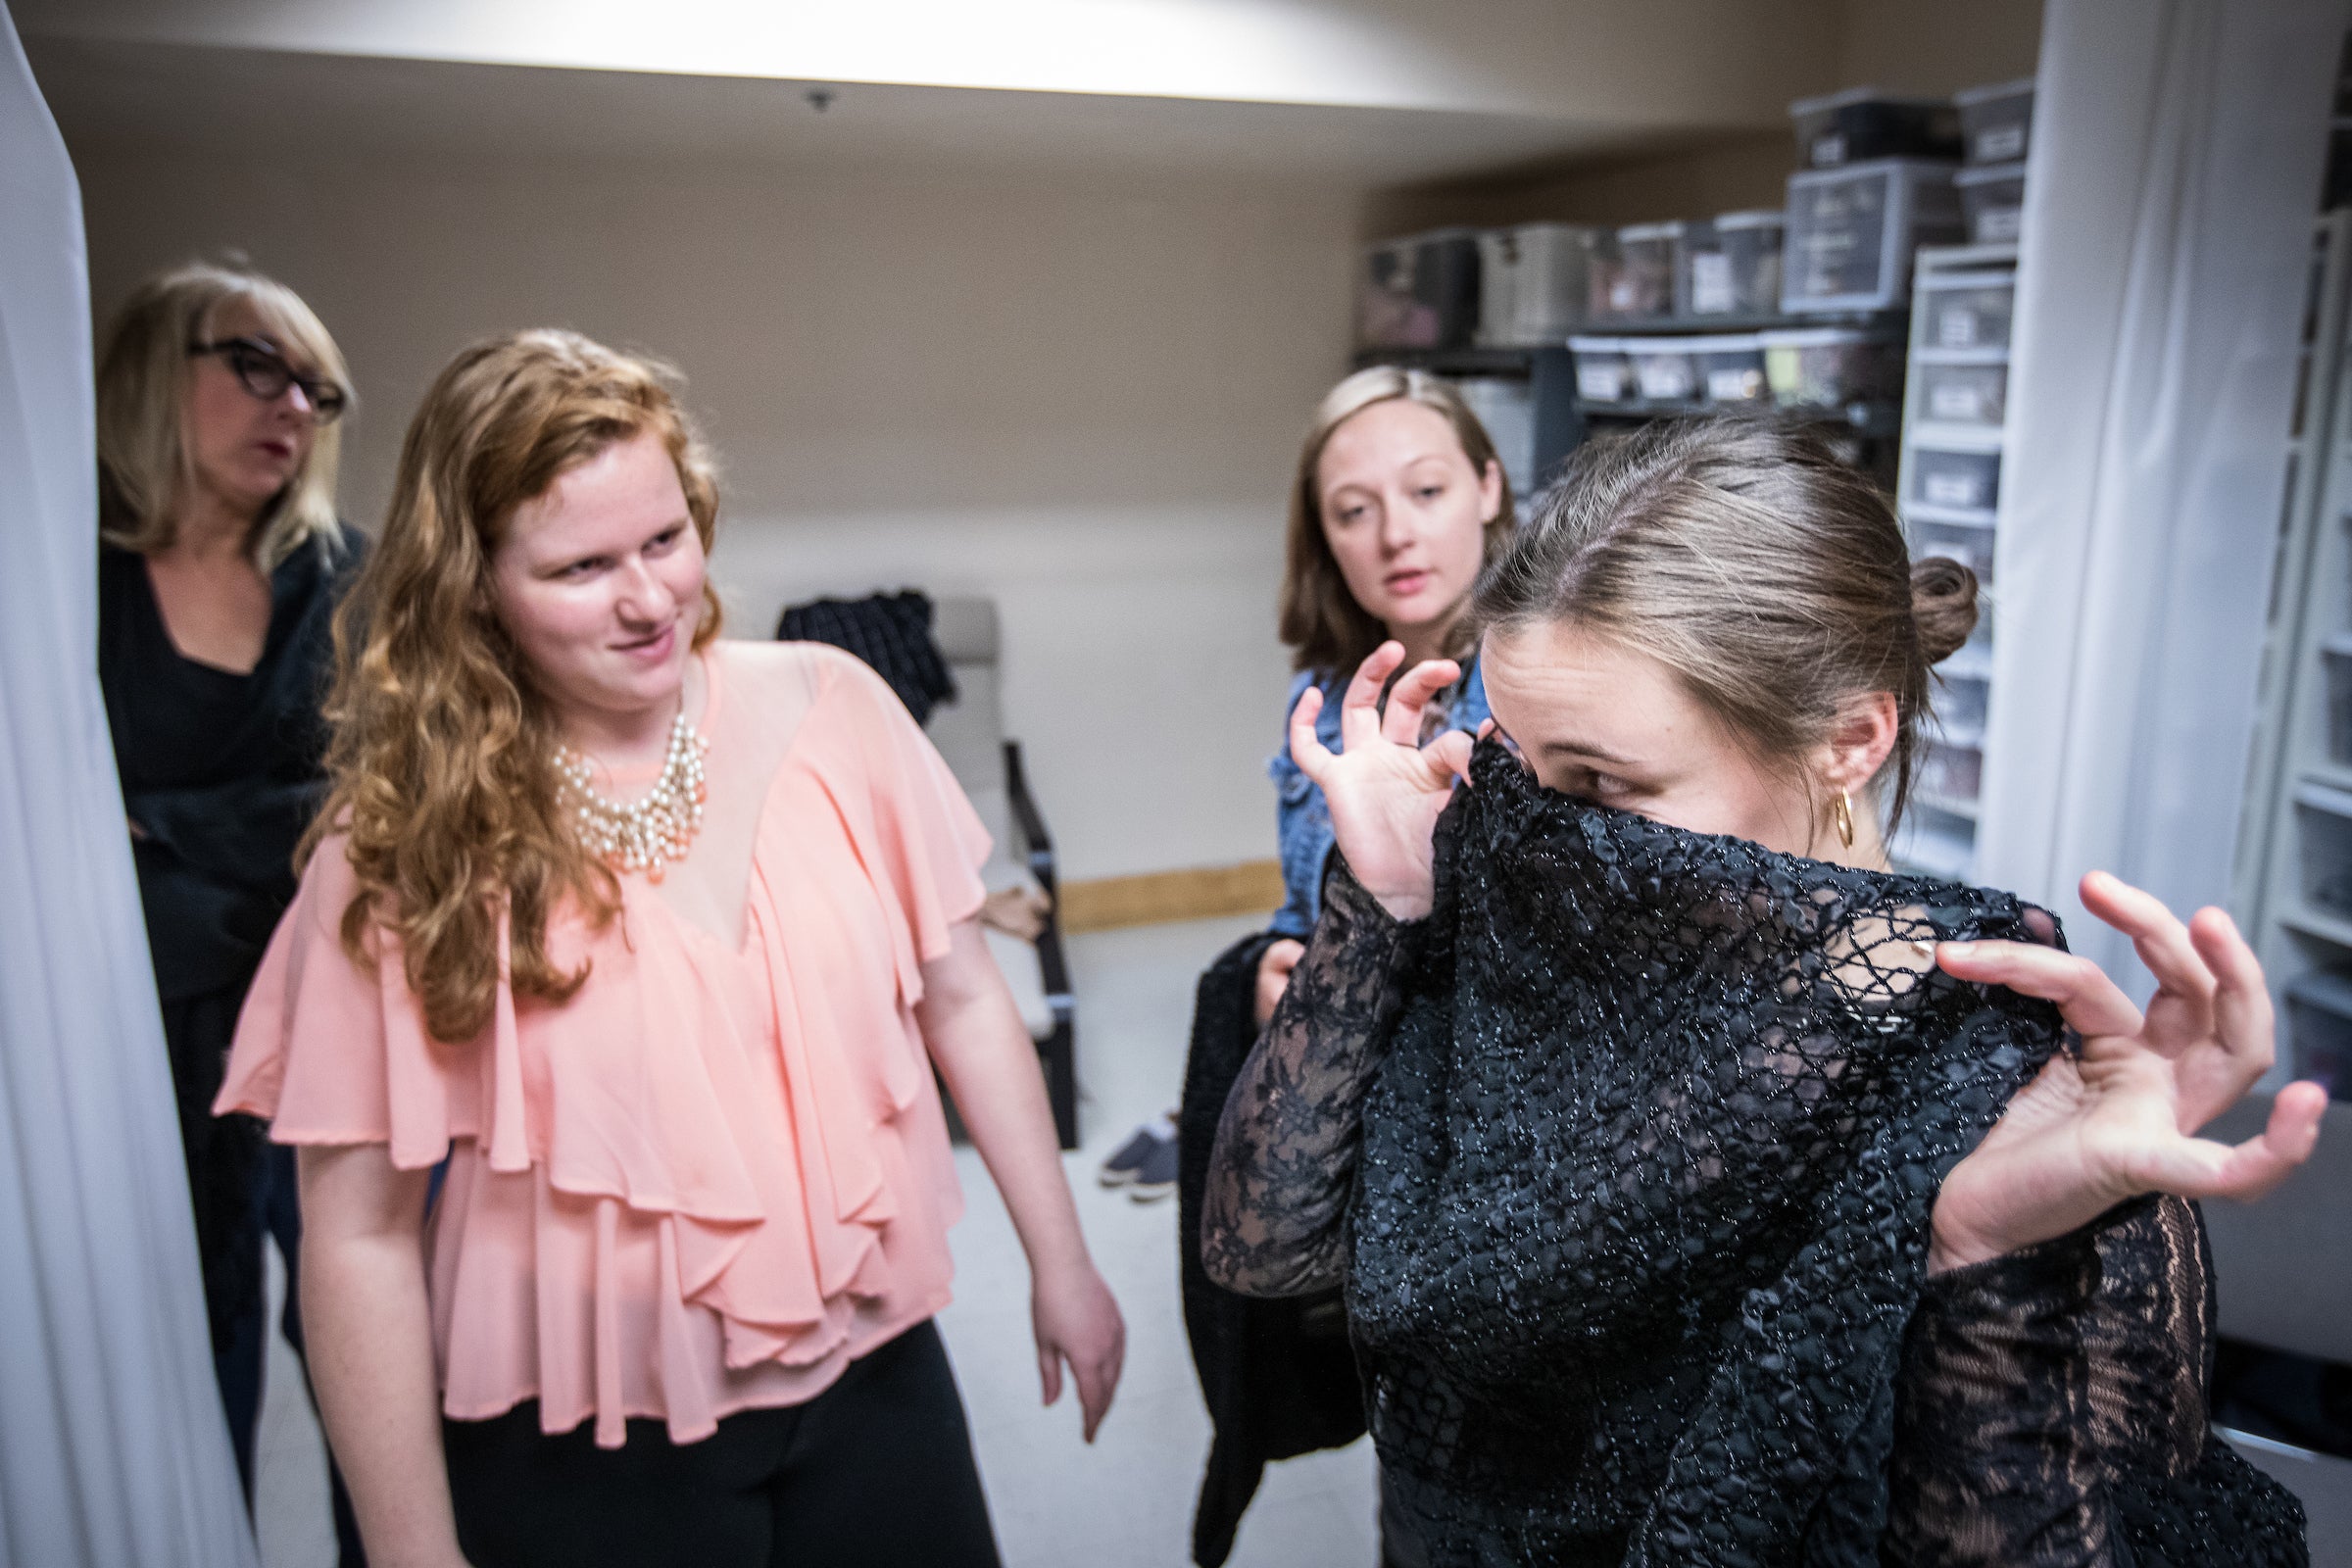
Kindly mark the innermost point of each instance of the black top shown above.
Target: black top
(1626, 1155)
(222, 770)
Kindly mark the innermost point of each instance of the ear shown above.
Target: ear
(1861, 741)
(1490, 492)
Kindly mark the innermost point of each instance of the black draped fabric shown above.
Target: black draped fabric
(892, 632)
(222, 773)
(1626, 1155)
(1278, 1375)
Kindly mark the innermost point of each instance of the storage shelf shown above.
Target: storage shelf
(1892, 321)
(2296, 916)
(1957, 516)
(1951, 435)
(1925, 355)
(1458, 361)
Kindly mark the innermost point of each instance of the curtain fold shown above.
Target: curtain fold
(112, 1449)
(2175, 169)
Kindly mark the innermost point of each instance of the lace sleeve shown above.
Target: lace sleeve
(2051, 1411)
(1274, 1213)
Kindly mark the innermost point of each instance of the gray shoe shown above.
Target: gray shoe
(1157, 1177)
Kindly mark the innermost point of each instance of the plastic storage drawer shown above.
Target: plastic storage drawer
(1641, 283)
(1831, 366)
(1419, 292)
(1733, 267)
(1963, 394)
(1536, 283)
(1604, 373)
(1852, 232)
(1961, 703)
(1967, 482)
(2318, 1030)
(1997, 121)
(1953, 772)
(1972, 547)
(1664, 368)
(1731, 367)
(1862, 124)
(1993, 201)
(2335, 654)
(2323, 820)
(1967, 315)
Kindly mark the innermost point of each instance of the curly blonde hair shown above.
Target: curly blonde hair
(442, 764)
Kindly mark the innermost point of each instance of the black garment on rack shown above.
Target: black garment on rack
(1278, 1376)
(892, 632)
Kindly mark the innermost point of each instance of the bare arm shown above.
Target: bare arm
(984, 1052)
(1274, 1213)
(371, 1341)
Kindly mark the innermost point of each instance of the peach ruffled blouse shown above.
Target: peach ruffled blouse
(718, 1174)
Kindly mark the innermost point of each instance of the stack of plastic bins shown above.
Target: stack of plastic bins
(1993, 199)
(1863, 123)
(1854, 231)
(1498, 275)
(1733, 266)
(1536, 283)
(1997, 121)
(1419, 292)
(1664, 369)
(1604, 372)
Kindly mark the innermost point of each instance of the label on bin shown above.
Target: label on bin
(1601, 383)
(1956, 400)
(1958, 328)
(1736, 385)
(1711, 284)
(1951, 489)
(2002, 144)
(2001, 225)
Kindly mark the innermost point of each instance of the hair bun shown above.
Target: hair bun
(1943, 605)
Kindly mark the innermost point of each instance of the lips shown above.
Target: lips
(1405, 582)
(651, 650)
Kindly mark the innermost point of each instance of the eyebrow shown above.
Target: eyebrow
(1599, 753)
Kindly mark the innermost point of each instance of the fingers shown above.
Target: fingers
(1097, 1384)
(1450, 753)
(2162, 941)
(2197, 1168)
(2242, 1017)
(1307, 747)
(1359, 707)
(1049, 1372)
(2087, 1000)
(1400, 721)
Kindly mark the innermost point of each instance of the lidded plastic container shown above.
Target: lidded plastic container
(1649, 265)
(1852, 232)
(1960, 481)
(1604, 373)
(1969, 544)
(1419, 292)
(1734, 267)
(1862, 124)
(1537, 281)
(1731, 367)
(1993, 201)
(1831, 366)
(1997, 120)
(1664, 368)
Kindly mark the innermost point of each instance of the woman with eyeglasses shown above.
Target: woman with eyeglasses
(219, 563)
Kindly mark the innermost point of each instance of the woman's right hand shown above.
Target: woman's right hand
(1282, 956)
(1385, 792)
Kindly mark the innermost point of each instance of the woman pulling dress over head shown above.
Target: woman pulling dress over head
(1703, 1190)
(654, 939)
(1397, 503)
(219, 564)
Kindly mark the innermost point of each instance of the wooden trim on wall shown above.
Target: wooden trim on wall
(1198, 893)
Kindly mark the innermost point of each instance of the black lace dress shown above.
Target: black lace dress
(1625, 1157)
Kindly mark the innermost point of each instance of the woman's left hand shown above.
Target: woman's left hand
(2121, 1118)
(1077, 1321)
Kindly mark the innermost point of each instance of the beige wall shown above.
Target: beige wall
(1081, 399)
(1938, 46)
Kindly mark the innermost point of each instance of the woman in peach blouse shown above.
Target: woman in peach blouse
(656, 939)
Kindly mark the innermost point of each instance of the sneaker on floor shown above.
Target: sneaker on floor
(1130, 1157)
(1156, 1178)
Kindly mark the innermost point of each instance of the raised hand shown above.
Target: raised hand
(2122, 1117)
(1384, 791)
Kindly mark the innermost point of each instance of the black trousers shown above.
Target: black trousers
(876, 1472)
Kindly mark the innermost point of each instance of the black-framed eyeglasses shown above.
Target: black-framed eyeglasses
(264, 372)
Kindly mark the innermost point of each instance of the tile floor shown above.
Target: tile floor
(1127, 1500)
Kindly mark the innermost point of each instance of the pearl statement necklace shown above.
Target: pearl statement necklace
(647, 836)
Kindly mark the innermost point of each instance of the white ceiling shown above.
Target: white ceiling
(173, 94)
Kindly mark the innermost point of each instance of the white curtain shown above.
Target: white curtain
(2175, 174)
(112, 1451)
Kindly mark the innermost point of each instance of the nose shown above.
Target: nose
(299, 400)
(1397, 527)
(645, 599)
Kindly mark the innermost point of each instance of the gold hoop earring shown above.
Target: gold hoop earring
(1842, 814)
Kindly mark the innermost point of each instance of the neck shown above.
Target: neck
(1430, 640)
(206, 527)
(631, 739)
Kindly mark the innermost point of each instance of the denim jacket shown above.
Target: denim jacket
(1302, 820)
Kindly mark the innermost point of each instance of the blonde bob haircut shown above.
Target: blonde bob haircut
(441, 768)
(1326, 630)
(142, 407)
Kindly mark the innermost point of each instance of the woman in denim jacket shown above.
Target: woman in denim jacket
(1400, 500)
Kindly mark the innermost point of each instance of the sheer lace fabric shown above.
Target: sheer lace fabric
(1626, 1155)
